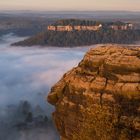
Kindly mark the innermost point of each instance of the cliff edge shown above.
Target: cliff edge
(100, 98)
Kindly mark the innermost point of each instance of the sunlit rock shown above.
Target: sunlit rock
(100, 98)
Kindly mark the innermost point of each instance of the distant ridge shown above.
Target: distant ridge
(70, 36)
(100, 13)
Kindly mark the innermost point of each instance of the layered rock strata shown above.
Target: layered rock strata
(100, 98)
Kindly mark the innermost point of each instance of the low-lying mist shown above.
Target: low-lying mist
(27, 74)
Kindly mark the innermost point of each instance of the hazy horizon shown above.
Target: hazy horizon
(27, 10)
(71, 5)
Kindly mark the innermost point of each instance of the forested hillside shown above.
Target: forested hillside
(81, 38)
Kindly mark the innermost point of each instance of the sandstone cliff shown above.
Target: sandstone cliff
(100, 98)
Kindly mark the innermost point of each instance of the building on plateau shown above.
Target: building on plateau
(72, 28)
(126, 26)
(52, 28)
(88, 28)
(60, 28)
(64, 28)
(114, 26)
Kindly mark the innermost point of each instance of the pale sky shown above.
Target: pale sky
(54, 5)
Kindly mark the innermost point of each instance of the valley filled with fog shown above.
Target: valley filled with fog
(26, 76)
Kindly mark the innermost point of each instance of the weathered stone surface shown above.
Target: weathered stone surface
(100, 98)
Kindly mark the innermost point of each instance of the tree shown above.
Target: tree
(24, 107)
(29, 117)
(38, 110)
(45, 119)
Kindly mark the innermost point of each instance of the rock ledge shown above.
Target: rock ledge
(100, 98)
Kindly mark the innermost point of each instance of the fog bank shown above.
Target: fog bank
(27, 73)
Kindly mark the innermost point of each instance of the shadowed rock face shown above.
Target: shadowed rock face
(100, 98)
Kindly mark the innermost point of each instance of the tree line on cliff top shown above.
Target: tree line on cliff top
(74, 22)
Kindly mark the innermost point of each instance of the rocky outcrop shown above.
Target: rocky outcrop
(100, 98)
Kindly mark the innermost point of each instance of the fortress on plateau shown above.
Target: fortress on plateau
(125, 26)
(71, 28)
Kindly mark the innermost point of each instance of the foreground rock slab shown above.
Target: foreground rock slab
(100, 98)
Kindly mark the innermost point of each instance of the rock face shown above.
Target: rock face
(100, 98)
